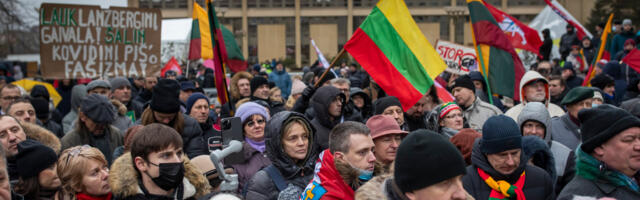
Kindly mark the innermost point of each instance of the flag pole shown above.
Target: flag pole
(482, 66)
(187, 76)
(335, 59)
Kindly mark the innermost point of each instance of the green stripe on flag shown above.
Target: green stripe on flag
(481, 13)
(391, 44)
(195, 29)
(502, 81)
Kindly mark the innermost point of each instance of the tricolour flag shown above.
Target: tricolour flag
(499, 62)
(219, 54)
(520, 35)
(392, 49)
(603, 52)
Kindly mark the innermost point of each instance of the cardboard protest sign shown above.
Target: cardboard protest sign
(89, 42)
(460, 59)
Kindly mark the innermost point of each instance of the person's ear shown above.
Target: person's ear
(410, 195)
(141, 165)
(339, 156)
(598, 151)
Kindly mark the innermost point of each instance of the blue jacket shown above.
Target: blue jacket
(618, 41)
(282, 80)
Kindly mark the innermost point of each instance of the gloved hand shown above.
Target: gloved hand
(307, 93)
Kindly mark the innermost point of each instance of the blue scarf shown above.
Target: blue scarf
(260, 146)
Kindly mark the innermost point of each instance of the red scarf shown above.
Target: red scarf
(502, 189)
(83, 196)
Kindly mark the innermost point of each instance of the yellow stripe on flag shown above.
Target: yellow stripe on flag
(399, 17)
(206, 49)
(486, 49)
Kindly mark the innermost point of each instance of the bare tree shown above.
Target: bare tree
(16, 34)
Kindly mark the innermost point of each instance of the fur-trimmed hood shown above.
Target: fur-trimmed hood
(123, 178)
(350, 175)
(121, 108)
(42, 135)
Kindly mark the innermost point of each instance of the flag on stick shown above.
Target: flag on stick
(219, 54)
(603, 52)
(520, 35)
(392, 49)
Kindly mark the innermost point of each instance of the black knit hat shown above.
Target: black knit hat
(41, 106)
(465, 82)
(602, 80)
(500, 133)
(599, 124)
(33, 157)
(577, 94)
(98, 109)
(426, 158)
(383, 103)
(165, 96)
(256, 82)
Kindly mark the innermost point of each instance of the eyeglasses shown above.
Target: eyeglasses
(255, 122)
(10, 98)
(75, 152)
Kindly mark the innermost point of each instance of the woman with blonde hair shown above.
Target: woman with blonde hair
(84, 174)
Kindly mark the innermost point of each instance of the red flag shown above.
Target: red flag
(520, 35)
(171, 65)
(633, 59)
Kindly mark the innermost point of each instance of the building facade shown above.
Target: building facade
(283, 29)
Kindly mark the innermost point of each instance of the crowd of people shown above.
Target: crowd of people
(330, 135)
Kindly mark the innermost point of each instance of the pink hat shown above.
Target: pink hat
(381, 125)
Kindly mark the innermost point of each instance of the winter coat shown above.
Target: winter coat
(367, 110)
(565, 131)
(566, 41)
(538, 184)
(334, 179)
(478, 113)
(545, 48)
(77, 93)
(144, 96)
(253, 161)
(125, 180)
(52, 126)
(564, 158)
(282, 80)
(589, 54)
(211, 137)
(192, 141)
(558, 99)
(64, 106)
(553, 109)
(382, 188)
(322, 123)
(480, 93)
(42, 135)
(573, 80)
(137, 108)
(621, 74)
(81, 137)
(262, 186)
(617, 44)
(122, 121)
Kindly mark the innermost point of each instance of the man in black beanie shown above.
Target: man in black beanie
(498, 169)
(390, 106)
(608, 160)
(475, 111)
(422, 178)
(260, 94)
(164, 108)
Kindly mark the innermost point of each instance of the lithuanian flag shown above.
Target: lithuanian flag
(200, 44)
(603, 53)
(499, 62)
(392, 49)
(219, 54)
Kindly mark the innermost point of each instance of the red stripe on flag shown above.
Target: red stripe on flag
(195, 49)
(633, 59)
(376, 63)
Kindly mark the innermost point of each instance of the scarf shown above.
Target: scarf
(592, 169)
(260, 146)
(83, 196)
(502, 189)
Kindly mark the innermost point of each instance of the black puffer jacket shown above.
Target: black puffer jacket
(538, 183)
(192, 140)
(262, 186)
(322, 122)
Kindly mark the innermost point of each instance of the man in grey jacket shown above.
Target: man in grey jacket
(535, 120)
(475, 111)
(565, 129)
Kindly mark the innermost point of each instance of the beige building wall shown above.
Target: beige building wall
(580, 9)
(431, 31)
(270, 41)
(326, 38)
(468, 36)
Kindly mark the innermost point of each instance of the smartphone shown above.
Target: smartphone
(232, 130)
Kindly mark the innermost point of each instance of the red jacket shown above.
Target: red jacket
(327, 182)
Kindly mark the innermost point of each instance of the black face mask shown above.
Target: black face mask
(170, 177)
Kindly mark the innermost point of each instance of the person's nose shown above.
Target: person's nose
(459, 193)
(510, 161)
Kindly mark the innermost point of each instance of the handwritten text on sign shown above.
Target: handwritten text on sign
(89, 42)
(460, 59)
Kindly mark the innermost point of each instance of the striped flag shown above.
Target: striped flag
(219, 54)
(520, 35)
(200, 43)
(558, 9)
(499, 62)
(603, 52)
(392, 49)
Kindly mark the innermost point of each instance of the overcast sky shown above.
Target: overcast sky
(29, 7)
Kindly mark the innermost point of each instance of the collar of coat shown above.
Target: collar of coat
(350, 175)
(123, 179)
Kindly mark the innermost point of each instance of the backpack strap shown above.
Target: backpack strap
(277, 178)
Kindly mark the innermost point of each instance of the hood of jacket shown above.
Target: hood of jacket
(275, 150)
(123, 178)
(479, 160)
(534, 148)
(42, 135)
(320, 103)
(536, 111)
(77, 93)
(533, 76)
(39, 91)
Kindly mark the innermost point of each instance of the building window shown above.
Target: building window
(163, 3)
